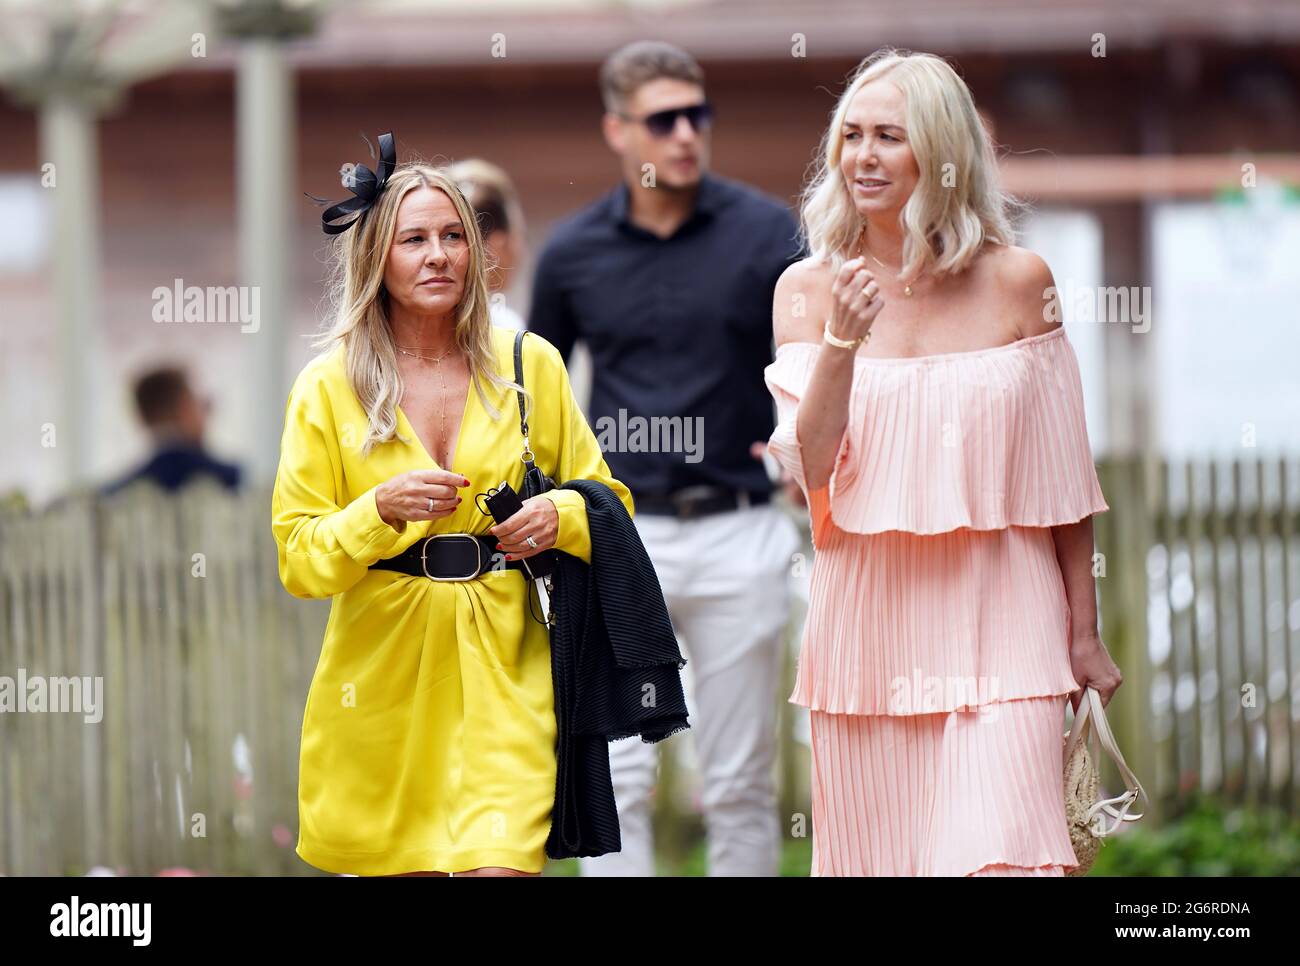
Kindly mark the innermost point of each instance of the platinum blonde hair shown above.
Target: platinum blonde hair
(944, 227)
(359, 304)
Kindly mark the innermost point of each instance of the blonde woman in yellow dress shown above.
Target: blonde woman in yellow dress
(428, 741)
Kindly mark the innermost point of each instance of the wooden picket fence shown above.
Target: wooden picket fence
(175, 605)
(1200, 605)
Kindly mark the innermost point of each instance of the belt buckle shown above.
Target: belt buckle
(424, 561)
(686, 498)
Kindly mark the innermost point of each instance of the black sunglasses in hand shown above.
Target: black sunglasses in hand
(662, 123)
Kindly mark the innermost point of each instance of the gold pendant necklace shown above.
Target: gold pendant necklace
(907, 289)
(442, 387)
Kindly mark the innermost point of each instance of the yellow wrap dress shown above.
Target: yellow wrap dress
(428, 740)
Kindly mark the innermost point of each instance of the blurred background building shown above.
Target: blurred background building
(1130, 126)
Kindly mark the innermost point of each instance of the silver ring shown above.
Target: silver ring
(430, 504)
(531, 542)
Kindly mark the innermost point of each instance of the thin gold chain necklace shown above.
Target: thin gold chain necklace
(402, 349)
(907, 289)
(442, 388)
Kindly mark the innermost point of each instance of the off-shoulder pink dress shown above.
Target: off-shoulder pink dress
(935, 656)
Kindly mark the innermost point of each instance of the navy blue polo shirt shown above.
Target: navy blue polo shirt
(174, 464)
(678, 327)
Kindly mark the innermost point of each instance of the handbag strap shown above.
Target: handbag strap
(523, 415)
(543, 596)
(1092, 716)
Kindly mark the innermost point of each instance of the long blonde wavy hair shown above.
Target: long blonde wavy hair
(944, 227)
(358, 316)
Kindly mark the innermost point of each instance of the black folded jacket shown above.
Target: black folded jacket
(616, 669)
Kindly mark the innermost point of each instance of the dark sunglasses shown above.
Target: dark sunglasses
(661, 123)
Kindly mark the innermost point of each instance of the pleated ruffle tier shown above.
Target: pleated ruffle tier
(985, 440)
(966, 793)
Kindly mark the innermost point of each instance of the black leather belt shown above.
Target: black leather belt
(696, 501)
(449, 556)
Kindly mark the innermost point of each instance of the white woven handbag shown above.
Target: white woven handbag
(1085, 810)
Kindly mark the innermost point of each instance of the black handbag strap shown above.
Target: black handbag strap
(523, 416)
(530, 470)
(519, 378)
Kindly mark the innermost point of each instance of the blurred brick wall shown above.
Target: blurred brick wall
(167, 176)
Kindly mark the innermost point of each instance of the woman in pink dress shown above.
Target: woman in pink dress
(931, 409)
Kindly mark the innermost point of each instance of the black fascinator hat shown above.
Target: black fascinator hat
(365, 185)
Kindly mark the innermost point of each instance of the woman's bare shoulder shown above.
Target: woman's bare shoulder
(808, 272)
(801, 300)
(1013, 266)
(1020, 282)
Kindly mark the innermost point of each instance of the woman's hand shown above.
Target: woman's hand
(538, 519)
(1092, 667)
(855, 299)
(406, 496)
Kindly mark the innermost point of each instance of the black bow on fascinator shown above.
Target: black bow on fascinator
(365, 184)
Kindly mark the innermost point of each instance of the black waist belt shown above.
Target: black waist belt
(449, 556)
(694, 501)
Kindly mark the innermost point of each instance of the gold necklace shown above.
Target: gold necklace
(402, 349)
(442, 388)
(907, 289)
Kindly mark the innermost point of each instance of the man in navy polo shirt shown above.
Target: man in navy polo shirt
(668, 279)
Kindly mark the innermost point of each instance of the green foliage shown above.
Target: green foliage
(1209, 840)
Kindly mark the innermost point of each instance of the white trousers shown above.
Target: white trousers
(726, 580)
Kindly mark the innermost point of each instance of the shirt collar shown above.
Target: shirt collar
(168, 439)
(708, 201)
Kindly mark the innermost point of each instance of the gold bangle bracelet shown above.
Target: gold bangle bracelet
(842, 343)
